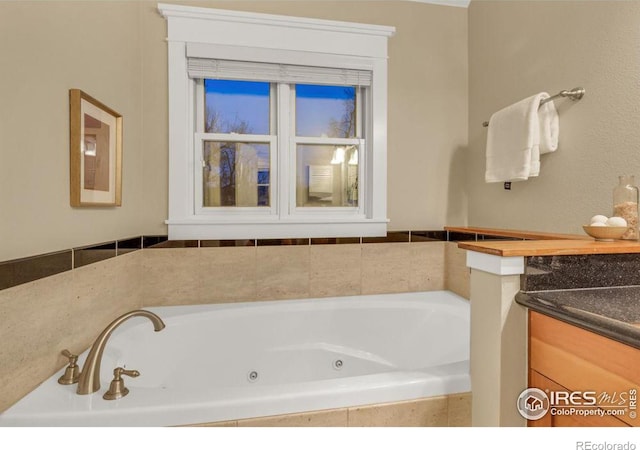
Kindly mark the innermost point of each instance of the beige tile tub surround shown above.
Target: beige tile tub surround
(385, 268)
(329, 418)
(180, 276)
(188, 276)
(431, 412)
(402, 267)
(282, 272)
(228, 274)
(460, 410)
(171, 276)
(451, 410)
(426, 266)
(457, 274)
(335, 270)
(68, 310)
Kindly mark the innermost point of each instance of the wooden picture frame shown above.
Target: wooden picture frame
(95, 152)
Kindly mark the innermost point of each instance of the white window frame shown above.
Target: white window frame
(241, 36)
(356, 212)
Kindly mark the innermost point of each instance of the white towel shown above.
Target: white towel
(549, 127)
(513, 141)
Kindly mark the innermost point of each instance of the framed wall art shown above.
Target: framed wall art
(95, 152)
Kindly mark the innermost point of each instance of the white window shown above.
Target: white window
(277, 126)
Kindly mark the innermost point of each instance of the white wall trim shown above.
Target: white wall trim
(289, 40)
(497, 265)
(229, 16)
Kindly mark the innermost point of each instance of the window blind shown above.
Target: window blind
(275, 73)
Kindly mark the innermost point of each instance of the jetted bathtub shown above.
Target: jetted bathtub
(232, 361)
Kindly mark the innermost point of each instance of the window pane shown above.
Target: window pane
(236, 174)
(327, 175)
(240, 107)
(325, 111)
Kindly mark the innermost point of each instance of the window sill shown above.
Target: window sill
(269, 229)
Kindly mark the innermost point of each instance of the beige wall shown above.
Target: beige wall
(48, 48)
(517, 49)
(514, 50)
(116, 52)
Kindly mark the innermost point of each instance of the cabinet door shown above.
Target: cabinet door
(580, 360)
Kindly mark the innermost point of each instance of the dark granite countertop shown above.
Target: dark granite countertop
(613, 312)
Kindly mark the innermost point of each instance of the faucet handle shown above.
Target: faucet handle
(72, 372)
(72, 358)
(130, 373)
(117, 389)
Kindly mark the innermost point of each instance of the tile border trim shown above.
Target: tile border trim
(32, 268)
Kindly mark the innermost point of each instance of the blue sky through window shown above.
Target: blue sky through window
(236, 106)
(243, 107)
(325, 111)
(330, 92)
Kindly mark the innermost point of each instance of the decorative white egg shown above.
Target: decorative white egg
(616, 222)
(599, 219)
(598, 224)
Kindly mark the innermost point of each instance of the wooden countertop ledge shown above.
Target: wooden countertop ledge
(541, 244)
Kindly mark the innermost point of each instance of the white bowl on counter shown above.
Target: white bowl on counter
(605, 234)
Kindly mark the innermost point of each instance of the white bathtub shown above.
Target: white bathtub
(307, 354)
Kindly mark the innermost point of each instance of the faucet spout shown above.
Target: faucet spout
(89, 381)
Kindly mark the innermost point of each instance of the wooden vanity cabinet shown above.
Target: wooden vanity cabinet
(564, 357)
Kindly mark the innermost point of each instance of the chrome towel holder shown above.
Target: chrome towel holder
(573, 94)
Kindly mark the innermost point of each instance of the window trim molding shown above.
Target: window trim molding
(271, 20)
(270, 38)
